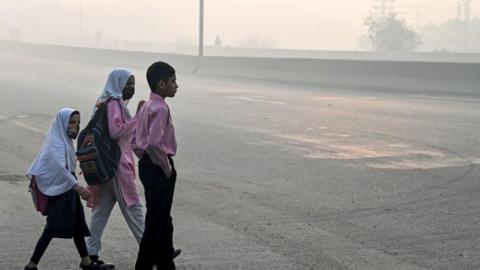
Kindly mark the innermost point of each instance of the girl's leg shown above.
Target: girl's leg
(79, 240)
(82, 249)
(41, 247)
(81, 245)
(101, 212)
(133, 215)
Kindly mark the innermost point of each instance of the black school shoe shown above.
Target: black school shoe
(176, 253)
(94, 266)
(96, 260)
(28, 268)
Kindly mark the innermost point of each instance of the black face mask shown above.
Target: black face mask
(127, 93)
(73, 133)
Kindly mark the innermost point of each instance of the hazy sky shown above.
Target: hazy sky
(305, 24)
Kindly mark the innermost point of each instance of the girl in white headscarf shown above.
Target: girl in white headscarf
(119, 89)
(53, 171)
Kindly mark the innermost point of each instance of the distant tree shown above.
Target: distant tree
(452, 35)
(390, 33)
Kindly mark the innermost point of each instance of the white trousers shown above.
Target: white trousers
(108, 195)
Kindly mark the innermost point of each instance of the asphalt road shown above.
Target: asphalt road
(271, 176)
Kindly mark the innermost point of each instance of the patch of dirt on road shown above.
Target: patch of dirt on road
(14, 179)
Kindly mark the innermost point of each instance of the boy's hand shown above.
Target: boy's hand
(140, 105)
(168, 173)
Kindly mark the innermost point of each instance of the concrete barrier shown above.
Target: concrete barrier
(408, 76)
(419, 77)
(106, 57)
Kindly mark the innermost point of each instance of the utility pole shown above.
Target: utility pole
(383, 7)
(466, 21)
(459, 11)
(466, 11)
(463, 18)
(59, 20)
(80, 17)
(200, 35)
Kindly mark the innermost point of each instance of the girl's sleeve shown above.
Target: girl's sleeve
(118, 124)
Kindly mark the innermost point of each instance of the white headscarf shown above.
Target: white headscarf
(116, 81)
(55, 163)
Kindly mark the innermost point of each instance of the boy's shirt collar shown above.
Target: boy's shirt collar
(155, 96)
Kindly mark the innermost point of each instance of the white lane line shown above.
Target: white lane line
(20, 124)
(260, 100)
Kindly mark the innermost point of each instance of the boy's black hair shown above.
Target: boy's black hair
(159, 71)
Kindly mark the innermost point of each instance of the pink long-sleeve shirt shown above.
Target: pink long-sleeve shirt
(121, 128)
(154, 133)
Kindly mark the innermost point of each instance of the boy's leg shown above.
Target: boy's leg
(100, 214)
(148, 244)
(164, 227)
(165, 256)
(133, 215)
(169, 225)
(167, 233)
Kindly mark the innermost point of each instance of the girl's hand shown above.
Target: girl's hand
(140, 105)
(100, 104)
(83, 192)
(85, 195)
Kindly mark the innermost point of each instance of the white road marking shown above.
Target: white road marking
(23, 125)
(20, 124)
(260, 100)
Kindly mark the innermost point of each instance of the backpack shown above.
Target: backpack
(97, 153)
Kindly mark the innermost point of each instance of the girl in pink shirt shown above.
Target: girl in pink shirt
(119, 88)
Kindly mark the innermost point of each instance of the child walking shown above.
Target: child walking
(53, 172)
(155, 145)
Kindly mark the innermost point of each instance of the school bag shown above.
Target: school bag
(40, 200)
(97, 153)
